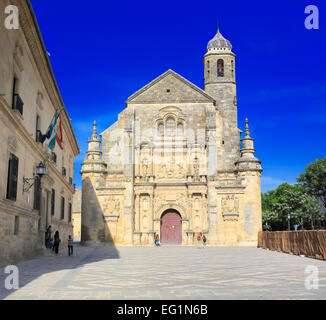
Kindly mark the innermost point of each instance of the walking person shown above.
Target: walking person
(157, 240)
(70, 246)
(204, 240)
(56, 242)
(48, 237)
(198, 241)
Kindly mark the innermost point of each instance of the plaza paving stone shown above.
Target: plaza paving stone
(167, 272)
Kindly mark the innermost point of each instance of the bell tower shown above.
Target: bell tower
(219, 75)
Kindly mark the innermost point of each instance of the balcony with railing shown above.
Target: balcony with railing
(17, 103)
(39, 136)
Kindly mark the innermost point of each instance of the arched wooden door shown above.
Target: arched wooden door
(171, 230)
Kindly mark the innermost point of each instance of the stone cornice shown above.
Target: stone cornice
(10, 207)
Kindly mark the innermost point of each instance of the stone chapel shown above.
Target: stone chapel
(172, 164)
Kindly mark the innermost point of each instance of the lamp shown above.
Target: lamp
(40, 169)
(29, 182)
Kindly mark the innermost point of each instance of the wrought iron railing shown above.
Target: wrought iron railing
(18, 103)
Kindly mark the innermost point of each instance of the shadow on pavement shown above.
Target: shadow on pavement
(50, 262)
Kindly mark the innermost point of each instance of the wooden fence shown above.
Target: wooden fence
(308, 243)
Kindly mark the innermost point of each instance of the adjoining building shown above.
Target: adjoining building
(76, 215)
(172, 165)
(36, 188)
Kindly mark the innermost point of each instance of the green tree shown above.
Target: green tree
(300, 206)
(313, 179)
(290, 200)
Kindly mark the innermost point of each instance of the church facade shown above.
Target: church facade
(174, 164)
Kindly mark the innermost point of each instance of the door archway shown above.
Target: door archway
(171, 227)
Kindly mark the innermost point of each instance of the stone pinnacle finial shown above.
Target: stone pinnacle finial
(94, 126)
(247, 132)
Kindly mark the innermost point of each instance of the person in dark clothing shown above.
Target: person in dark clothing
(56, 242)
(204, 240)
(70, 246)
(48, 237)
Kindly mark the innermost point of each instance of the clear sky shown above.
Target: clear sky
(104, 51)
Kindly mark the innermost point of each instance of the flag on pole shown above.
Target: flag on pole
(51, 134)
(59, 137)
(54, 132)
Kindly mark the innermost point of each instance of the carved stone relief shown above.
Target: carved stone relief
(111, 205)
(230, 207)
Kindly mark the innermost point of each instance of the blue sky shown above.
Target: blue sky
(102, 52)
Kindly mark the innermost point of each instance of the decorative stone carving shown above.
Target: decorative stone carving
(111, 205)
(169, 170)
(230, 204)
(230, 208)
(196, 169)
(12, 142)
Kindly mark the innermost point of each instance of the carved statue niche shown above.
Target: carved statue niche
(162, 170)
(170, 170)
(145, 203)
(145, 222)
(145, 167)
(146, 160)
(181, 198)
(180, 171)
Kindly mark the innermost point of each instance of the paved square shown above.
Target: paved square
(168, 272)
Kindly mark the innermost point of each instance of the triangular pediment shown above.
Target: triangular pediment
(170, 87)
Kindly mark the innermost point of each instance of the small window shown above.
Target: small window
(207, 64)
(17, 102)
(180, 129)
(220, 68)
(52, 202)
(54, 157)
(69, 213)
(62, 208)
(232, 68)
(160, 129)
(37, 193)
(38, 136)
(12, 178)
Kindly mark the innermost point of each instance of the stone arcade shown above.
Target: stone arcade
(172, 164)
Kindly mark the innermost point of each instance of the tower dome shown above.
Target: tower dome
(219, 43)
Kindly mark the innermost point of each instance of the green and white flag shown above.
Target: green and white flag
(51, 134)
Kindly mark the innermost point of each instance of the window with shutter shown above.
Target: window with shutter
(12, 177)
(62, 208)
(52, 202)
(69, 212)
(37, 193)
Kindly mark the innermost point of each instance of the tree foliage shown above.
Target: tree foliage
(292, 200)
(313, 179)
